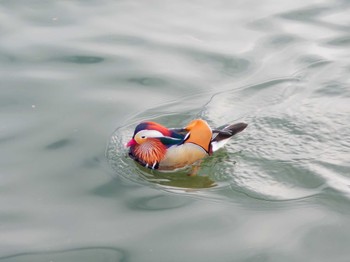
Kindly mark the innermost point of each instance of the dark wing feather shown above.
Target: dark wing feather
(227, 131)
(170, 141)
(178, 132)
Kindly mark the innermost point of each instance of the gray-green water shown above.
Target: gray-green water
(75, 78)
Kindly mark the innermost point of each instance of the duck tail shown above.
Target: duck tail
(222, 134)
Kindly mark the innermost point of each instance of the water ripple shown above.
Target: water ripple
(272, 159)
(73, 254)
(268, 167)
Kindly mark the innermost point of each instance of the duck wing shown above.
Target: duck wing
(223, 133)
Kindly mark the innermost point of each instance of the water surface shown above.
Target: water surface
(77, 76)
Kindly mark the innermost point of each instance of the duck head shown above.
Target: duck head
(145, 145)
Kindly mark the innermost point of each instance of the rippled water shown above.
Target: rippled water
(77, 76)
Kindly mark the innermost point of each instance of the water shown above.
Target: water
(76, 76)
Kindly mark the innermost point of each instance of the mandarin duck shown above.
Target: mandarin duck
(156, 147)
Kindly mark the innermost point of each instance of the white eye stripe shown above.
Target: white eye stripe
(149, 133)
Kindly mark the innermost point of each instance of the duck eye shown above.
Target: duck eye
(143, 137)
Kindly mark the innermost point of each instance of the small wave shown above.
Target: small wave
(268, 161)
